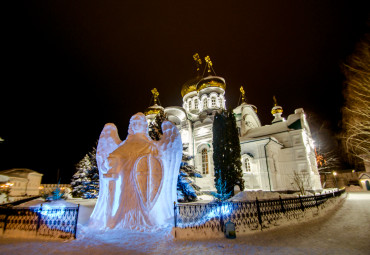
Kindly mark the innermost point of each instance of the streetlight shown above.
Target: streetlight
(335, 179)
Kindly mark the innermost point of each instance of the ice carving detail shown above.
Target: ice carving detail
(148, 172)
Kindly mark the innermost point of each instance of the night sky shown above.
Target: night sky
(69, 67)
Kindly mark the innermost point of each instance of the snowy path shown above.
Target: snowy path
(345, 231)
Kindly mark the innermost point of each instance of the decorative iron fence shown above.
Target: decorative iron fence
(253, 214)
(39, 221)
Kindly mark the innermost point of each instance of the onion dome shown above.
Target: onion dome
(211, 81)
(154, 109)
(190, 86)
(276, 112)
(276, 109)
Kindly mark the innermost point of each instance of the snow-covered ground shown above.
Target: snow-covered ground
(344, 230)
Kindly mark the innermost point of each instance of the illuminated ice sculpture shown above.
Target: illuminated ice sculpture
(138, 176)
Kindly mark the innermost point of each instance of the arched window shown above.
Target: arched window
(190, 106)
(220, 102)
(204, 161)
(205, 103)
(196, 104)
(213, 102)
(247, 165)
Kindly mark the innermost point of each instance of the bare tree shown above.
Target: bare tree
(301, 180)
(356, 111)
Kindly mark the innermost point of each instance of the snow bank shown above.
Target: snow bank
(354, 188)
(261, 195)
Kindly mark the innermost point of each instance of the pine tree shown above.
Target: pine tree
(187, 190)
(226, 154)
(85, 182)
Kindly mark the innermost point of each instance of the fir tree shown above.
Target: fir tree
(85, 182)
(187, 190)
(222, 190)
(226, 154)
(155, 128)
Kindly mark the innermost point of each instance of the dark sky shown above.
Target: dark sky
(72, 66)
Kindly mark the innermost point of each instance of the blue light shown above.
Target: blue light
(224, 210)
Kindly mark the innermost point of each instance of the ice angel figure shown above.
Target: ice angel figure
(138, 176)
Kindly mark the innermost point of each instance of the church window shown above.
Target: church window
(213, 101)
(196, 104)
(205, 103)
(190, 106)
(204, 161)
(247, 165)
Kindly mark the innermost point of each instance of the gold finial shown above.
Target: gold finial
(155, 95)
(276, 108)
(243, 93)
(197, 60)
(275, 101)
(209, 63)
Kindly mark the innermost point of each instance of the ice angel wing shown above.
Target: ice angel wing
(170, 146)
(108, 142)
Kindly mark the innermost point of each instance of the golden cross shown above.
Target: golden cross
(197, 60)
(275, 101)
(243, 93)
(209, 63)
(155, 95)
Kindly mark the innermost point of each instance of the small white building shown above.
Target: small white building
(24, 182)
(271, 155)
(364, 179)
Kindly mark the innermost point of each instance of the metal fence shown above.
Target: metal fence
(39, 221)
(254, 215)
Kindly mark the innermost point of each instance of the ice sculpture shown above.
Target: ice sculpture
(138, 176)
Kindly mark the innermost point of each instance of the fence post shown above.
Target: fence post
(316, 201)
(282, 205)
(78, 209)
(259, 213)
(175, 215)
(38, 219)
(7, 211)
(300, 199)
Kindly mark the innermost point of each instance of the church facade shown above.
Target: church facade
(274, 157)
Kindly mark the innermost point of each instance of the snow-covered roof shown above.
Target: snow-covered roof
(293, 122)
(177, 111)
(4, 178)
(18, 172)
(364, 176)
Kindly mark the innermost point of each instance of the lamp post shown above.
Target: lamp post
(335, 179)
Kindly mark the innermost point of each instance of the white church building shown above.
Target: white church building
(271, 155)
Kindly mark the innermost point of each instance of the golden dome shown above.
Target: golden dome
(190, 86)
(276, 109)
(154, 109)
(211, 81)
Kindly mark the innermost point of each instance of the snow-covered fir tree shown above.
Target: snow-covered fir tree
(85, 182)
(222, 194)
(155, 127)
(187, 190)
